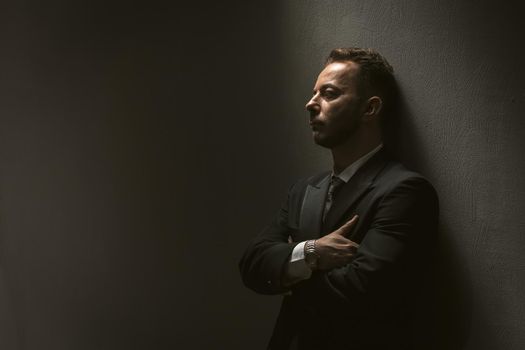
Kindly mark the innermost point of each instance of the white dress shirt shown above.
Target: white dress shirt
(297, 269)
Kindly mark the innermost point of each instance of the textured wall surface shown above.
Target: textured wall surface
(142, 145)
(458, 67)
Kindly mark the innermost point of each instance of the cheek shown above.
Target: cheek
(337, 115)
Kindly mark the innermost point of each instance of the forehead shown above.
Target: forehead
(342, 74)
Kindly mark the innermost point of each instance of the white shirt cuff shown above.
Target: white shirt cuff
(298, 270)
(298, 252)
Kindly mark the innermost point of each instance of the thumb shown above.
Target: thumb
(347, 227)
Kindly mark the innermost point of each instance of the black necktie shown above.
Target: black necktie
(335, 185)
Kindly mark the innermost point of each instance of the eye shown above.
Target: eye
(330, 93)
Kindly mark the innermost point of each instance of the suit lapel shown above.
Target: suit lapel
(312, 208)
(353, 190)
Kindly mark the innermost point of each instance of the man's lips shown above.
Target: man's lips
(315, 125)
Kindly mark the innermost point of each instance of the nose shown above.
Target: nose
(312, 106)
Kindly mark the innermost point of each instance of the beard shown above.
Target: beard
(331, 136)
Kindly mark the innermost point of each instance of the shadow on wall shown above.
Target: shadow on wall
(444, 310)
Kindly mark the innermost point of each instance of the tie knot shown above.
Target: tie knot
(335, 184)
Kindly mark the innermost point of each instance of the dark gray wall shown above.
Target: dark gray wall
(142, 145)
(458, 65)
(132, 137)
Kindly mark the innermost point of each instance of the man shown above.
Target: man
(350, 246)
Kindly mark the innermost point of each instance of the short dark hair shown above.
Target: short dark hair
(376, 75)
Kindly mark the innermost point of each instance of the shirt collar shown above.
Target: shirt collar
(350, 170)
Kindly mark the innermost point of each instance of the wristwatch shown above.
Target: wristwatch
(310, 256)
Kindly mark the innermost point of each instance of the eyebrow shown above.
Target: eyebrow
(327, 85)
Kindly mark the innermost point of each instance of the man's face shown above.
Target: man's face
(336, 107)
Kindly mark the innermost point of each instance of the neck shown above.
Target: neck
(354, 148)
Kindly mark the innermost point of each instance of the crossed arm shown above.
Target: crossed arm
(396, 240)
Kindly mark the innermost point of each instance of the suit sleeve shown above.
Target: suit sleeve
(392, 255)
(264, 260)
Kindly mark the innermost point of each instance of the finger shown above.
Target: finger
(353, 244)
(344, 260)
(349, 256)
(347, 227)
(343, 255)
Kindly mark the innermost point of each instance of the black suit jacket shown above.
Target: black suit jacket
(367, 303)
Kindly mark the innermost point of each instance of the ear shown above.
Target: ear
(373, 107)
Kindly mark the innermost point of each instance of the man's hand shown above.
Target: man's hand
(335, 250)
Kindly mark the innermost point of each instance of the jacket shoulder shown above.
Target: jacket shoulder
(394, 174)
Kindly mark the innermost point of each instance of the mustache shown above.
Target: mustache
(313, 116)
